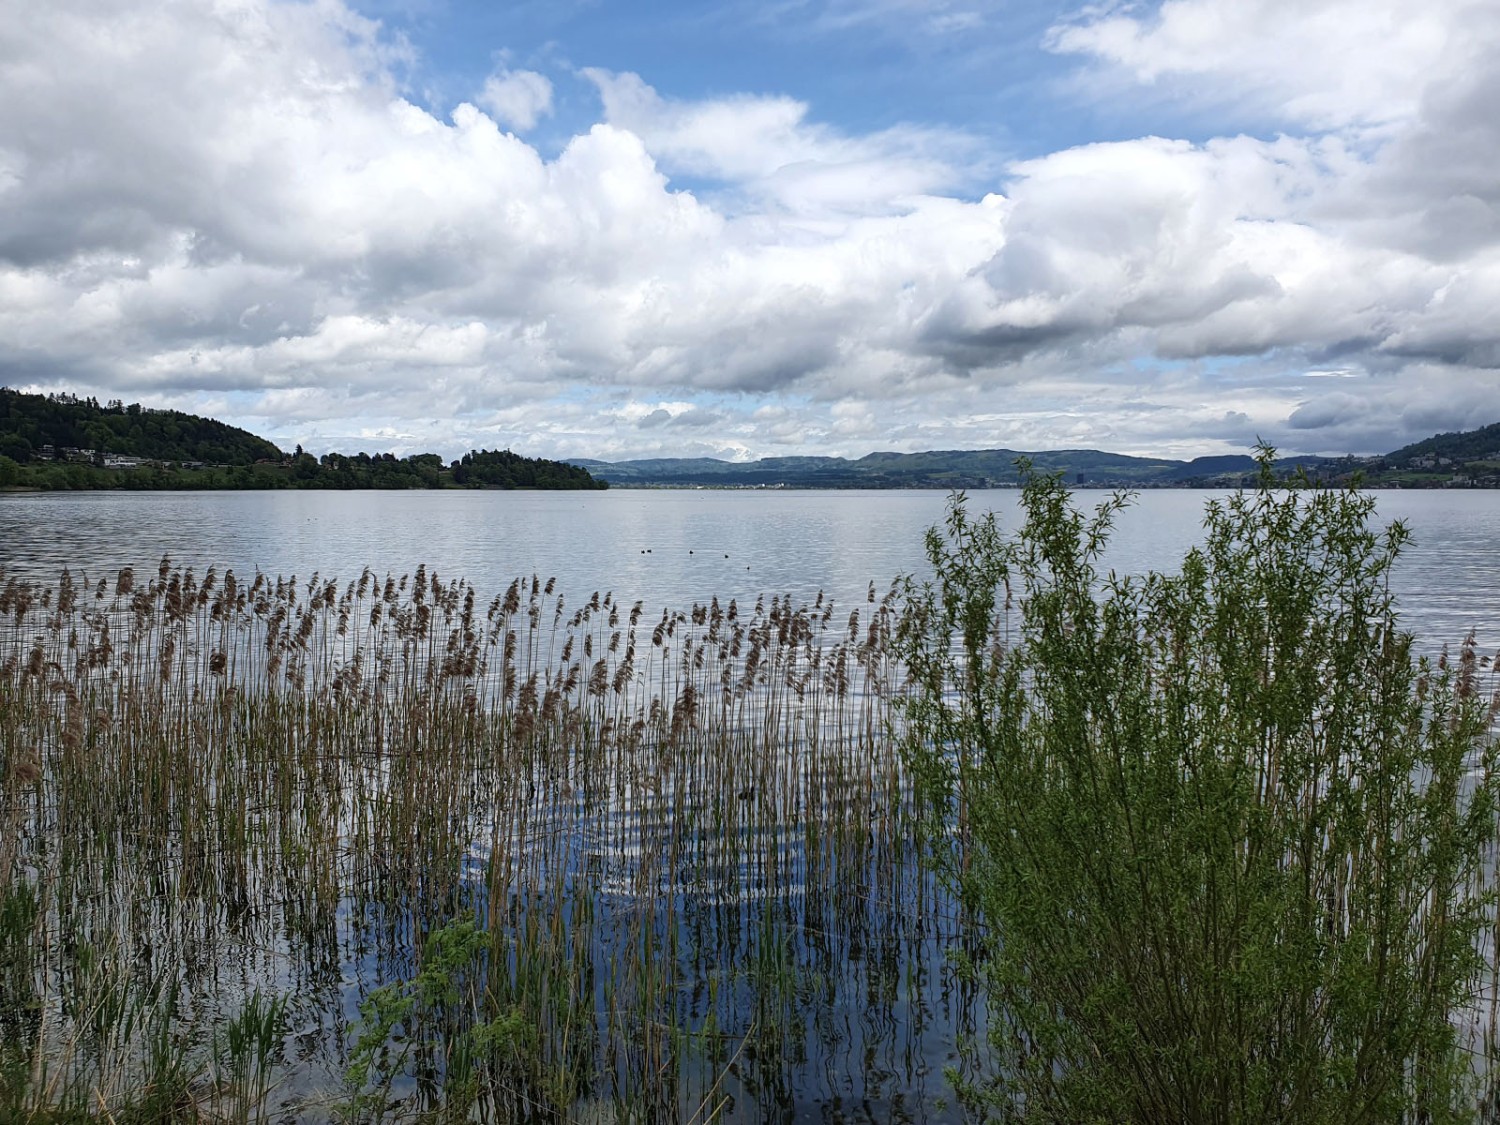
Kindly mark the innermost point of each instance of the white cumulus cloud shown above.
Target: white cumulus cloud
(517, 98)
(1325, 63)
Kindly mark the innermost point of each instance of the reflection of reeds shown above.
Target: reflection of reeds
(686, 839)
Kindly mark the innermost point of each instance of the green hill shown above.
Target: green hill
(37, 427)
(61, 441)
(1482, 445)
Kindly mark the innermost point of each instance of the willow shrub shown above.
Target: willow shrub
(1223, 836)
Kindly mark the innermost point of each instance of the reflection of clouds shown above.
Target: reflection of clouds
(793, 543)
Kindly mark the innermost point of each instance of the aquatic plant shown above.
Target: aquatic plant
(679, 844)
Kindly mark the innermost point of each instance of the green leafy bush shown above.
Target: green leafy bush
(1222, 834)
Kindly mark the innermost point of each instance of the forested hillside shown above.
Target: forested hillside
(32, 426)
(61, 441)
(1482, 445)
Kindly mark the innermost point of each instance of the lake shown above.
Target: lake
(691, 839)
(674, 548)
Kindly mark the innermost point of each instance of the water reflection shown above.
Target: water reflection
(671, 548)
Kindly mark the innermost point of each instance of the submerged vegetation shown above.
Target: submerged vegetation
(1028, 842)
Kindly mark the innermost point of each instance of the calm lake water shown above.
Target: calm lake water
(673, 548)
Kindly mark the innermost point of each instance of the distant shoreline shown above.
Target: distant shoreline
(61, 442)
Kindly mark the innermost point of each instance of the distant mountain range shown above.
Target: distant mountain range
(1464, 459)
(1468, 459)
(957, 468)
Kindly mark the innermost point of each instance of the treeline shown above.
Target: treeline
(481, 469)
(63, 442)
(476, 469)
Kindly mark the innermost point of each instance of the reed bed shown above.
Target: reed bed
(383, 848)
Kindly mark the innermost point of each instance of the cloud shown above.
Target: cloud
(767, 148)
(518, 98)
(1197, 246)
(1323, 63)
(941, 18)
(233, 204)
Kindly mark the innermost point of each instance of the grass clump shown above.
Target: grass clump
(441, 1014)
(1225, 836)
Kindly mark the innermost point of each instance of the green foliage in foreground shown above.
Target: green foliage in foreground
(480, 1052)
(1224, 834)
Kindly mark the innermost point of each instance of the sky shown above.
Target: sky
(583, 228)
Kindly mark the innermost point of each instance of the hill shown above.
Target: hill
(61, 441)
(37, 427)
(1471, 456)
